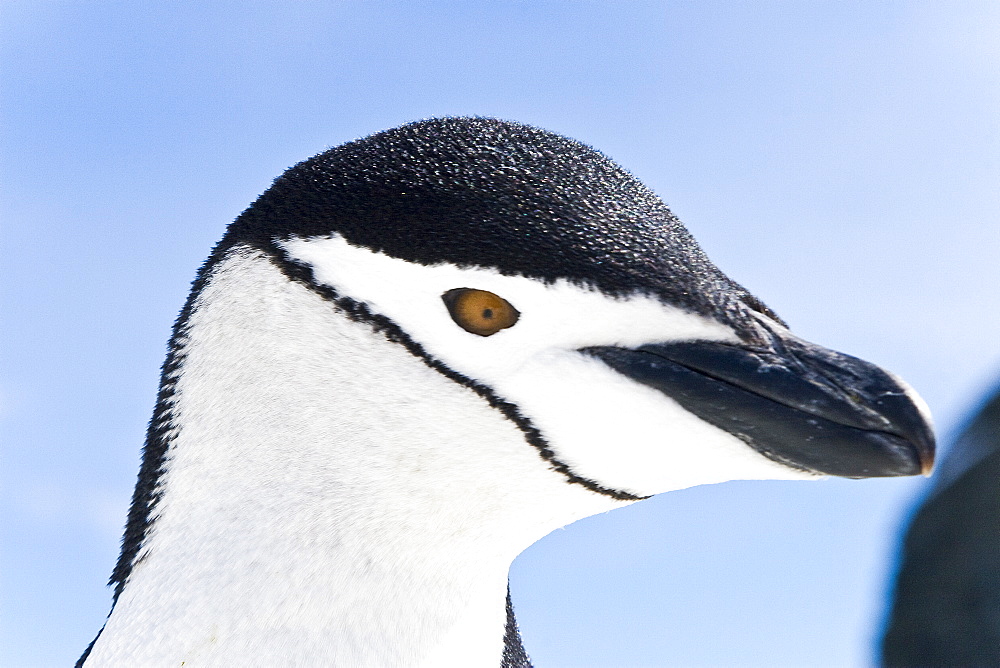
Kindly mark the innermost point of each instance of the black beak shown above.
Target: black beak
(797, 403)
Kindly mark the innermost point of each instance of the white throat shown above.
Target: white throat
(327, 498)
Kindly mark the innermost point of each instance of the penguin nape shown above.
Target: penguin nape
(418, 353)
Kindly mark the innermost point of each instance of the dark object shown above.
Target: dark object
(946, 608)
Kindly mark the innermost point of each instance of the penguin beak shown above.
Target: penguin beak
(796, 403)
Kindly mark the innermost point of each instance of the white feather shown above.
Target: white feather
(606, 427)
(330, 499)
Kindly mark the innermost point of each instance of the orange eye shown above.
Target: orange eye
(479, 311)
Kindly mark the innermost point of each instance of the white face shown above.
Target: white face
(604, 426)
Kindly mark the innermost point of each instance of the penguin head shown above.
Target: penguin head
(546, 279)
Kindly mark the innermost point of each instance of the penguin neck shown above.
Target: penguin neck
(327, 497)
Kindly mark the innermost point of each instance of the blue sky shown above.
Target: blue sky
(840, 159)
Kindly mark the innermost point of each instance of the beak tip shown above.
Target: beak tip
(924, 449)
(927, 463)
(911, 420)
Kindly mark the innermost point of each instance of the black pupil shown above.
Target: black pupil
(487, 313)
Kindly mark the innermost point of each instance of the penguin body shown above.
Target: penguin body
(418, 353)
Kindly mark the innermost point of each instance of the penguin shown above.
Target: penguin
(418, 353)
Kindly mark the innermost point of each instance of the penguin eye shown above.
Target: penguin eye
(478, 311)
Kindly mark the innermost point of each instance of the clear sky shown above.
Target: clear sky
(839, 158)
